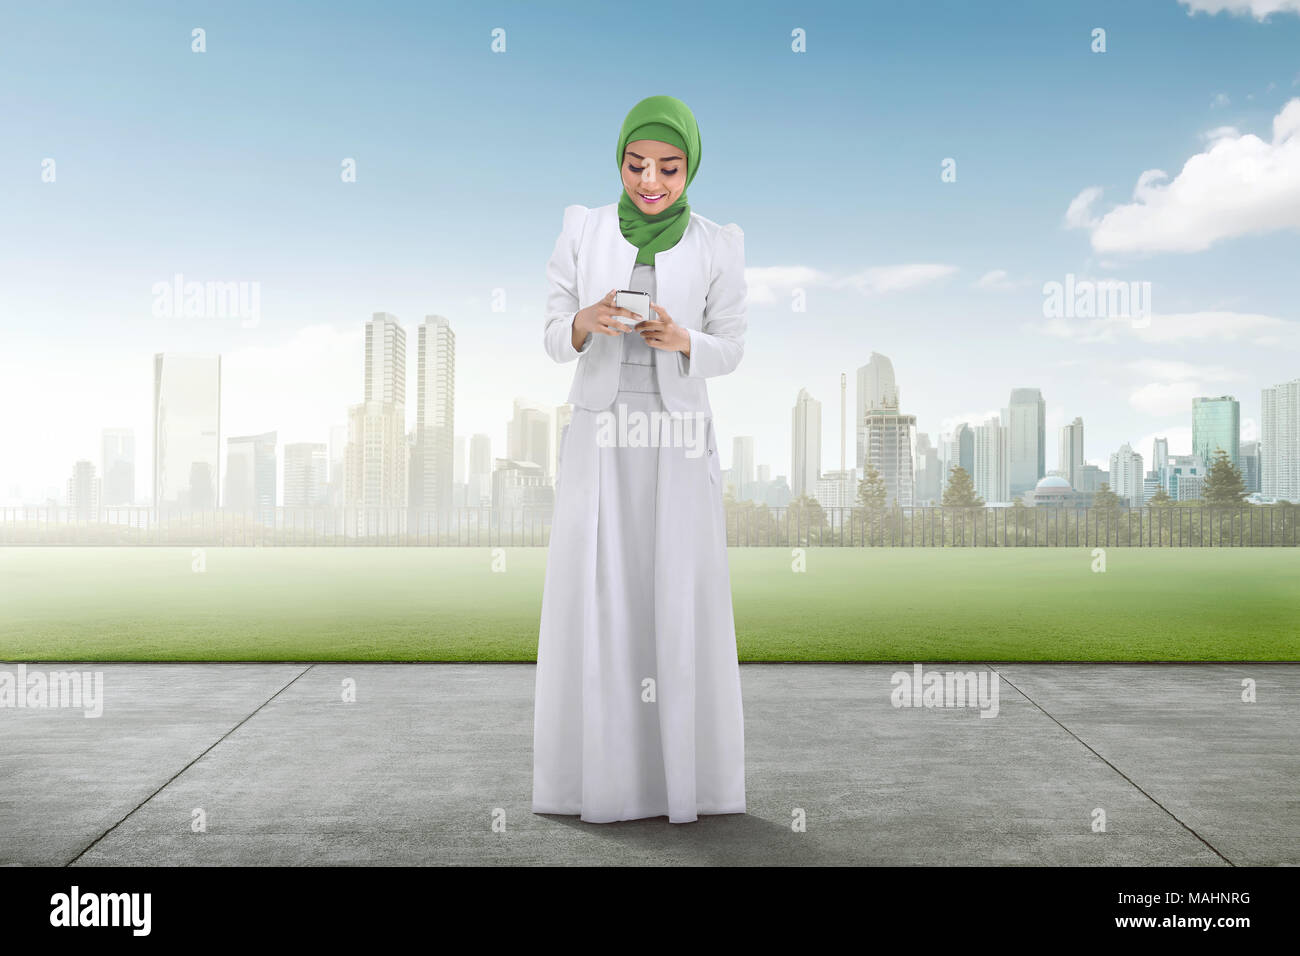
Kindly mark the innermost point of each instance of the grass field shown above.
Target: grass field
(850, 604)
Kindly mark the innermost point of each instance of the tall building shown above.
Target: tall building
(886, 437)
(528, 435)
(1091, 478)
(376, 469)
(1216, 424)
(1184, 477)
(742, 466)
(1027, 430)
(1279, 441)
(929, 478)
(251, 476)
(1126, 475)
(805, 445)
(306, 469)
(117, 464)
(992, 474)
(435, 415)
(958, 452)
(1250, 466)
(1159, 456)
(186, 430)
(1071, 460)
(83, 492)
(478, 490)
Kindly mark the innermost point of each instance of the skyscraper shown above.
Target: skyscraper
(186, 430)
(1279, 441)
(742, 466)
(929, 481)
(992, 443)
(1126, 475)
(118, 467)
(528, 435)
(1071, 460)
(250, 476)
(83, 492)
(1216, 424)
(377, 462)
(1027, 430)
(478, 492)
(886, 437)
(435, 414)
(1250, 465)
(305, 475)
(805, 445)
(958, 452)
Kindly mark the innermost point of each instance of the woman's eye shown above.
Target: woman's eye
(668, 172)
(636, 169)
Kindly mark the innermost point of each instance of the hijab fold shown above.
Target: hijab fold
(667, 120)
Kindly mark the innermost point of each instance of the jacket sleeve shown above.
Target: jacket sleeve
(562, 296)
(716, 349)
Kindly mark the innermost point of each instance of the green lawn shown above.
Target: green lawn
(850, 604)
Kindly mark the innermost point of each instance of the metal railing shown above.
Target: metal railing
(747, 525)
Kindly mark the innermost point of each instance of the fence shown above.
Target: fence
(748, 525)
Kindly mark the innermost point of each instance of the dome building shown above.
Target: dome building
(1053, 492)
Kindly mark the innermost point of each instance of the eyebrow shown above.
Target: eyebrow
(662, 159)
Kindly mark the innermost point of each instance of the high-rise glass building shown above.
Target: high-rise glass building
(1071, 454)
(306, 470)
(1279, 441)
(1216, 424)
(992, 474)
(186, 430)
(958, 452)
(1250, 466)
(118, 467)
(251, 476)
(742, 466)
(1027, 431)
(805, 445)
(435, 417)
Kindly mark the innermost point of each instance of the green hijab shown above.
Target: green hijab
(668, 120)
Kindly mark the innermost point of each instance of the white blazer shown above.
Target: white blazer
(700, 283)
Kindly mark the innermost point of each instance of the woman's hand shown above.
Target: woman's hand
(664, 333)
(600, 317)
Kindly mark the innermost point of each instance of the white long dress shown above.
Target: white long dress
(638, 709)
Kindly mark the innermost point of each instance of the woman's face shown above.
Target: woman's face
(654, 174)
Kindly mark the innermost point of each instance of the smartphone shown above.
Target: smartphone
(638, 302)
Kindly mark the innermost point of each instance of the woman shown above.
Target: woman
(638, 709)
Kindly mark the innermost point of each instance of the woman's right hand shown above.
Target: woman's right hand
(601, 317)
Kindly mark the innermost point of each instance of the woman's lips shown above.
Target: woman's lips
(653, 198)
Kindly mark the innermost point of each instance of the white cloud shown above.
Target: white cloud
(1187, 326)
(1221, 132)
(1240, 185)
(766, 282)
(998, 280)
(882, 279)
(1161, 398)
(1220, 99)
(1259, 9)
(1168, 371)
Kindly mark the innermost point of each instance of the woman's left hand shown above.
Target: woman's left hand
(664, 333)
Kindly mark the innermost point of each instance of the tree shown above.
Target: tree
(872, 492)
(1224, 484)
(1105, 500)
(960, 492)
(1160, 499)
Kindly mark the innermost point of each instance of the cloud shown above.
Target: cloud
(1182, 371)
(1259, 9)
(766, 282)
(1221, 132)
(882, 279)
(1179, 327)
(1240, 185)
(998, 280)
(1220, 99)
(1165, 398)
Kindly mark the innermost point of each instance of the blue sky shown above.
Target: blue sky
(224, 166)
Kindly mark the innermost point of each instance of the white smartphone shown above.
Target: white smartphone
(638, 302)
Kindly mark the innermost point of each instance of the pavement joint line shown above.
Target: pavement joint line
(206, 751)
(1133, 783)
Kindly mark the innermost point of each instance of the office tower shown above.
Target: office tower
(83, 492)
(958, 452)
(805, 445)
(837, 489)
(305, 475)
(1250, 466)
(1126, 475)
(1071, 461)
(1091, 478)
(876, 390)
(1216, 424)
(929, 480)
(250, 476)
(1279, 441)
(186, 430)
(528, 435)
(1160, 456)
(435, 415)
(992, 467)
(1027, 429)
(1184, 476)
(478, 493)
(886, 437)
(377, 461)
(563, 416)
(742, 466)
(118, 467)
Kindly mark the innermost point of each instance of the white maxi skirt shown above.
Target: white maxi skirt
(638, 708)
